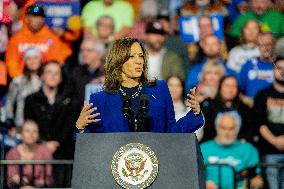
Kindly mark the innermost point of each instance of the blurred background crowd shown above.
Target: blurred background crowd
(52, 58)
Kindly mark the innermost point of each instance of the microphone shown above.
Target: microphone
(136, 120)
(126, 108)
(144, 105)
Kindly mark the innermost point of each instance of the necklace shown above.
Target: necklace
(134, 95)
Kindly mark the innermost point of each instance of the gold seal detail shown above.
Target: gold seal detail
(134, 166)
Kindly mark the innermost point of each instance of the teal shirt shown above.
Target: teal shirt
(239, 155)
(271, 21)
(121, 12)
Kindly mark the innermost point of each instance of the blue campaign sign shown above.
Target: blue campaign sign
(189, 30)
(59, 12)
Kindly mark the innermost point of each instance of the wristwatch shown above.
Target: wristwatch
(79, 130)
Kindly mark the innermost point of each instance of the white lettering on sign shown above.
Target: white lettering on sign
(42, 47)
(57, 21)
(191, 27)
(59, 11)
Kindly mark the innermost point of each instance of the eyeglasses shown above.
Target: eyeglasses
(278, 67)
(88, 49)
(265, 44)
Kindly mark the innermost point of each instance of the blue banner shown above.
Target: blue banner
(189, 30)
(59, 12)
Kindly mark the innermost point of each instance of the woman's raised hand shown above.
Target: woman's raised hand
(192, 101)
(86, 116)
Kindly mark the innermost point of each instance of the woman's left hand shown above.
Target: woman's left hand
(192, 101)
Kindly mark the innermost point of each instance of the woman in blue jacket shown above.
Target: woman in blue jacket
(132, 103)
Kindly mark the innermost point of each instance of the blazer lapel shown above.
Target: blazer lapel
(152, 97)
(114, 109)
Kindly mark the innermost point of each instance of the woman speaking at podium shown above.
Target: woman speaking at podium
(130, 102)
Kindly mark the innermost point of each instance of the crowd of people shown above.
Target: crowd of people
(47, 73)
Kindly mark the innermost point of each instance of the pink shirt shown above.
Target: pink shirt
(40, 153)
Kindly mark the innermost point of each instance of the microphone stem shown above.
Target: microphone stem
(135, 124)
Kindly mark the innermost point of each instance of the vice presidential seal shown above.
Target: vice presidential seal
(134, 166)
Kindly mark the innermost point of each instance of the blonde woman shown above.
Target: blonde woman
(209, 81)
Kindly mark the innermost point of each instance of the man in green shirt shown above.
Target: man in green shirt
(227, 149)
(271, 20)
(120, 11)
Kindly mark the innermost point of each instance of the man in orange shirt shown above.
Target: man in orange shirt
(3, 74)
(3, 82)
(35, 33)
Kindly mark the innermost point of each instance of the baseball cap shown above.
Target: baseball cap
(35, 10)
(164, 14)
(155, 27)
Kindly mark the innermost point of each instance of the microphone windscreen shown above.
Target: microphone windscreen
(127, 101)
(144, 99)
(144, 105)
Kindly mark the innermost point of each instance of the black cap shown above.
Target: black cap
(164, 14)
(35, 10)
(155, 27)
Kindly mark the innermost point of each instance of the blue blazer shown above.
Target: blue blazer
(161, 112)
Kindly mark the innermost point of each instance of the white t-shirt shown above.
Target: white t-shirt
(239, 55)
(155, 65)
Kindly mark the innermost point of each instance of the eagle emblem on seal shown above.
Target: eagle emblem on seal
(134, 165)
